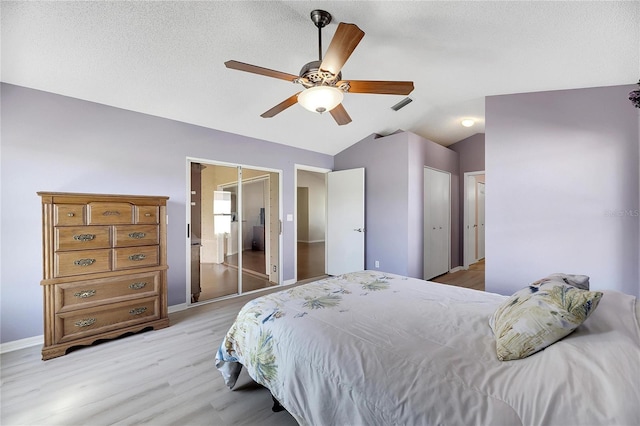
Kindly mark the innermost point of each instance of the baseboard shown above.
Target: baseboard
(456, 269)
(177, 308)
(21, 344)
(39, 340)
(289, 282)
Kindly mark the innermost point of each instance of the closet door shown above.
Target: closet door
(437, 208)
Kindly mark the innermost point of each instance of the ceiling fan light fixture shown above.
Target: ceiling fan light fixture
(320, 98)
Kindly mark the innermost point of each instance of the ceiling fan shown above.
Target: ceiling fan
(324, 87)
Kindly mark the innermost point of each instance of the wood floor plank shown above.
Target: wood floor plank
(162, 377)
(470, 278)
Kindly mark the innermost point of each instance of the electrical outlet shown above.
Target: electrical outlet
(274, 268)
(377, 264)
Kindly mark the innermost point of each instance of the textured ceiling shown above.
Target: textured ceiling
(167, 59)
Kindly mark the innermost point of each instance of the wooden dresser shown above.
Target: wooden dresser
(104, 267)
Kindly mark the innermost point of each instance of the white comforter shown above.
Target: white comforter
(379, 349)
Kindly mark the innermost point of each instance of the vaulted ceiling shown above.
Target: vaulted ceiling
(167, 59)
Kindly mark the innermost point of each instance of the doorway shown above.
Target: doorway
(234, 230)
(311, 222)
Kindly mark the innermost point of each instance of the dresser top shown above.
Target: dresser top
(74, 197)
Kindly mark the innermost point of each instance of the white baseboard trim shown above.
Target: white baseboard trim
(39, 340)
(21, 344)
(177, 308)
(289, 282)
(456, 269)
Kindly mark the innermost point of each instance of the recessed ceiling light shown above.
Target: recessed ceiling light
(468, 122)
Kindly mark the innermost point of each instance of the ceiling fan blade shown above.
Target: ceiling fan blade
(241, 66)
(292, 100)
(340, 115)
(344, 42)
(380, 87)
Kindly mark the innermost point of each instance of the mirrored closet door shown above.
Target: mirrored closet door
(234, 230)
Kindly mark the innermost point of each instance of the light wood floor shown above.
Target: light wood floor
(310, 260)
(162, 377)
(471, 278)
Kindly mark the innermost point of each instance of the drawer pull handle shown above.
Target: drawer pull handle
(137, 311)
(84, 237)
(137, 257)
(85, 293)
(147, 214)
(70, 214)
(85, 322)
(137, 235)
(137, 286)
(111, 213)
(84, 262)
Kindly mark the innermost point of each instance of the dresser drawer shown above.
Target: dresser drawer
(85, 322)
(68, 214)
(135, 235)
(99, 213)
(146, 214)
(82, 238)
(82, 262)
(135, 257)
(77, 295)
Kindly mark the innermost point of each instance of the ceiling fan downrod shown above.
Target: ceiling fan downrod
(320, 18)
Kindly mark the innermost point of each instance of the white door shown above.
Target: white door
(480, 220)
(437, 212)
(470, 221)
(345, 221)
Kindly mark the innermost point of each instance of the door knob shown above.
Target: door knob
(359, 229)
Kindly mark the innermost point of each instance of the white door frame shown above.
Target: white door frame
(465, 225)
(188, 162)
(297, 167)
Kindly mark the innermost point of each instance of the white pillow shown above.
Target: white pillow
(538, 316)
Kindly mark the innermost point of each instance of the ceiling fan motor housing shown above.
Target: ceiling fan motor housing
(311, 75)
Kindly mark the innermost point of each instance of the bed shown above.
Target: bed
(371, 348)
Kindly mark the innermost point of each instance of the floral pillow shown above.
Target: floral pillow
(538, 316)
(580, 281)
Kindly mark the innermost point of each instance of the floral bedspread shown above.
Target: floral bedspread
(375, 348)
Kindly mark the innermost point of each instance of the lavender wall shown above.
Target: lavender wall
(471, 159)
(562, 168)
(385, 162)
(394, 167)
(423, 152)
(56, 143)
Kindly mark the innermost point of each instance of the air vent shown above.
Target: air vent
(403, 103)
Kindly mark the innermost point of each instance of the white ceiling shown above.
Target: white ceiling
(167, 59)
